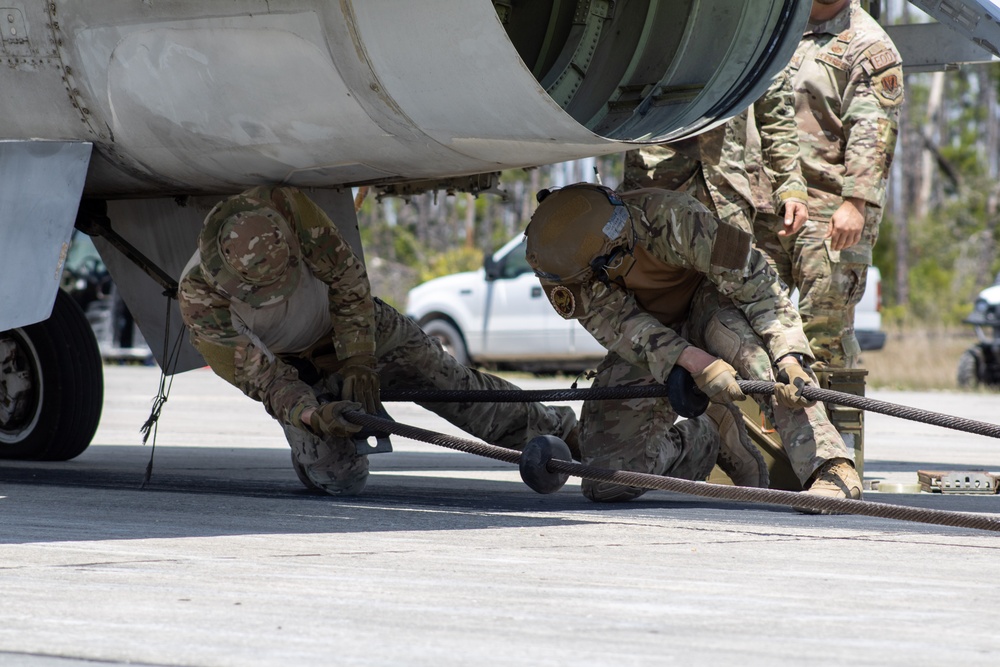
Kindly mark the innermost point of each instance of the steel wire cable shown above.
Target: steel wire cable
(659, 390)
(658, 482)
(897, 410)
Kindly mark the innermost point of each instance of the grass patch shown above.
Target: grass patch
(918, 358)
(914, 358)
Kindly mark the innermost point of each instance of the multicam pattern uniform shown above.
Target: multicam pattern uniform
(712, 166)
(260, 364)
(695, 281)
(848, 87)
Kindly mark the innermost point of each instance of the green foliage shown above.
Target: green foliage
(394, 242)
(951, 250)
(884, 257)
(456, 260)
(432, 233)
(930, 284)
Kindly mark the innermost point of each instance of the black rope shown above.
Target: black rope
(703, 489)
(171, 357)
(522, 395)
(659, 390)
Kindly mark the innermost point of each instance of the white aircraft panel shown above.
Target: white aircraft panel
(40, 185)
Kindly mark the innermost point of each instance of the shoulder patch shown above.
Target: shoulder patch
(883, 60)
(565, 299)
(732, 245)
(878, 58)
(888, 87)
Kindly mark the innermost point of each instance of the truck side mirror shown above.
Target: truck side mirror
(491, 267)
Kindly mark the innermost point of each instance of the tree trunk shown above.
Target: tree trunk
(928, 164)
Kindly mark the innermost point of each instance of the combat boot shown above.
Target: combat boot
(836, 478)
(738, 456)
(327, 464)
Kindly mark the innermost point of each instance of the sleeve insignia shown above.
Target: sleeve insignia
(832, 60)
(883, 60)
(888, 87)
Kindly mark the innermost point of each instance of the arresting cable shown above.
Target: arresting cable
(558, 466)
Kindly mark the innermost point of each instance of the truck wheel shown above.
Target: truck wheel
(968, 370)
(51, 386)
(449, 337)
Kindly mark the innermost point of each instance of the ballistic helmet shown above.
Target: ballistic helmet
(577, 232)
(249, 252)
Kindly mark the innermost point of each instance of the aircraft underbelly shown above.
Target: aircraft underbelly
(251, 118)
(209, 97)
(211, 104)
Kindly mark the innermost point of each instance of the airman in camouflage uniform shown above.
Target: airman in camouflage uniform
(712, 167)
(660, 281)
(280, 307)
(848, 85)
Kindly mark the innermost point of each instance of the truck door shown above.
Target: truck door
(520, 322)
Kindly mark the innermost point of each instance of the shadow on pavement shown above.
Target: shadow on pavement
(222, 491)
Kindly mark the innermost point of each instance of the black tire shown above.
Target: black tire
(54, 369)
(968, 370)
(450, 338)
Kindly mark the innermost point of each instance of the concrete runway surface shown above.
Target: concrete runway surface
(448, 559)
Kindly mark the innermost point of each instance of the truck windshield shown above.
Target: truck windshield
(515, 263)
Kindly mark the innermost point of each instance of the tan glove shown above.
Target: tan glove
(361, 383)
(718, 382)
(329, 419)
(785, 391)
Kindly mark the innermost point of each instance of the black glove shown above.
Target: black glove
(329, 419)
(361, 383)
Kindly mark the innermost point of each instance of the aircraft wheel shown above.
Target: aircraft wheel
(450, 338)
(51, 386)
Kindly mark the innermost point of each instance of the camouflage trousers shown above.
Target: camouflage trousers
(407, 358)
(641, 435)
(830, 283)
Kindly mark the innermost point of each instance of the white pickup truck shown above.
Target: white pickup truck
(499, 315)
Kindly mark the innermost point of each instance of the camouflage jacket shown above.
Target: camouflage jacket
(680, 236)
(239, 355)
(848, 84)
(720, 157)
(772, 150)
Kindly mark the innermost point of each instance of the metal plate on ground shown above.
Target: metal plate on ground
(958, 481)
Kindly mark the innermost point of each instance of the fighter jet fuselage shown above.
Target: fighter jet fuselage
(140, 115)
